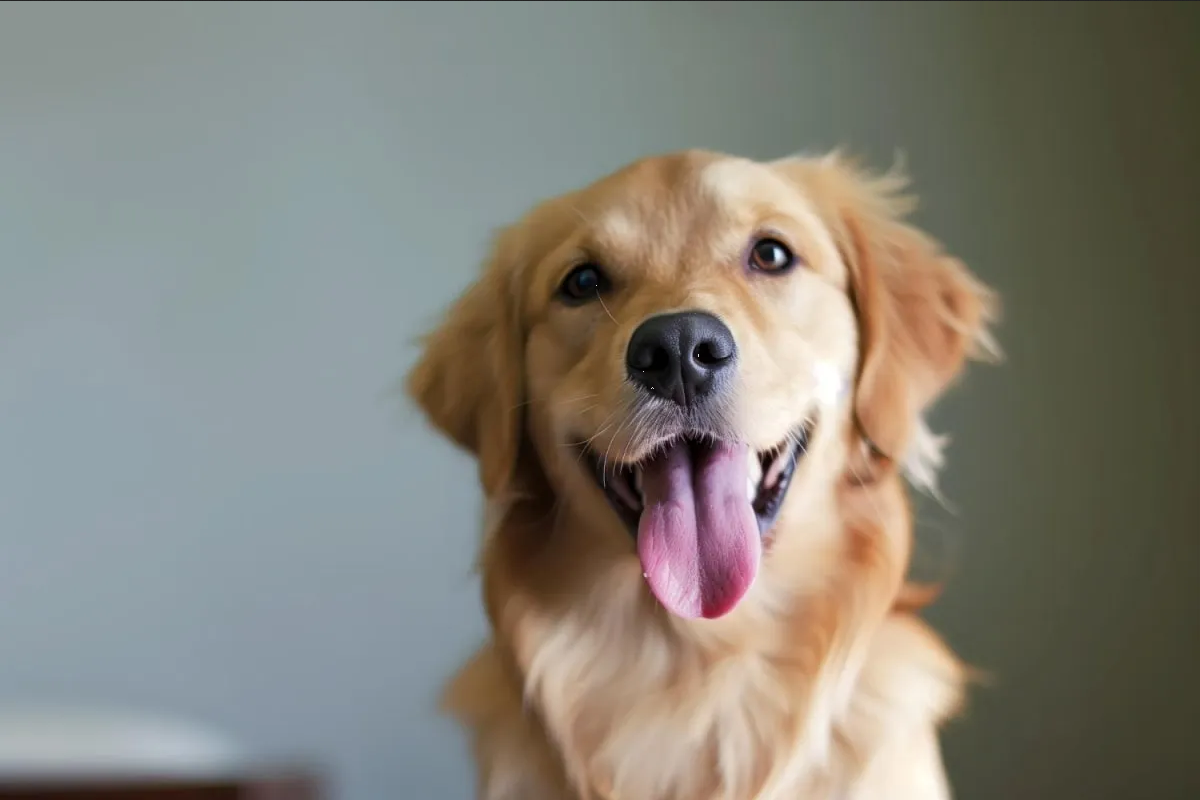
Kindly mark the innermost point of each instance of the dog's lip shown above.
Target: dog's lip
(620, 481)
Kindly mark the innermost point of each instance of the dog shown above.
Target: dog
(695, 390)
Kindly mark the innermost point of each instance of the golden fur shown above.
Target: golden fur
(821, 683)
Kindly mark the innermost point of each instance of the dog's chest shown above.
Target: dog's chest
(654, 718)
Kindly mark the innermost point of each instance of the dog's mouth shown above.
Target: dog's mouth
(700, 509)
(768, 477)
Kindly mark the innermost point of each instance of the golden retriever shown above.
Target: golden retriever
(694, 389)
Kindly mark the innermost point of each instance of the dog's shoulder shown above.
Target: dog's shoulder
(512, 756)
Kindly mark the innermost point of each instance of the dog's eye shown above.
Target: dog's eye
(585, 282)
(771, 255)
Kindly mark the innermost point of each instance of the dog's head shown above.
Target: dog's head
(679, 339)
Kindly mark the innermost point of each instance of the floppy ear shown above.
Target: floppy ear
(469, 381)
(921, 312)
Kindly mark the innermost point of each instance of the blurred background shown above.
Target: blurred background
(222, 226)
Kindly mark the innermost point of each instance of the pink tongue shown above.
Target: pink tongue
(698, 536)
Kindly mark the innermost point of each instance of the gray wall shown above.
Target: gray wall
(221, 226)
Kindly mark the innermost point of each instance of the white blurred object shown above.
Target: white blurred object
(61, 740)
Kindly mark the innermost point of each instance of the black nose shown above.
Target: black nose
(681, 357)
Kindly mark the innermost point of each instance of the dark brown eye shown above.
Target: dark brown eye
(585, 282)
(771, 255)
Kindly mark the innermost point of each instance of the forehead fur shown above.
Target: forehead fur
(692, 183)
(692, 204)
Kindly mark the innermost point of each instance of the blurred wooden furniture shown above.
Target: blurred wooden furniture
(77, 752)
(251, 784)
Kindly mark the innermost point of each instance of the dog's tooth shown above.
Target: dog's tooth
(751, 489)
(755, 468)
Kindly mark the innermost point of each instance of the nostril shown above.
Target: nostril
(710, 354)
(650, 359)
(660, 360)
(713, 351)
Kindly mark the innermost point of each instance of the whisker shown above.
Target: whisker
(589, 441)
(611, 439)
(586, 444)
(640, 418)
(605, 307)
(605, 425)
(604, 461)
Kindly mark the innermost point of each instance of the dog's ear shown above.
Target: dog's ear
(921, 312)
(469, 380)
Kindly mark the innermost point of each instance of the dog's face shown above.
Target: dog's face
(674, 339)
